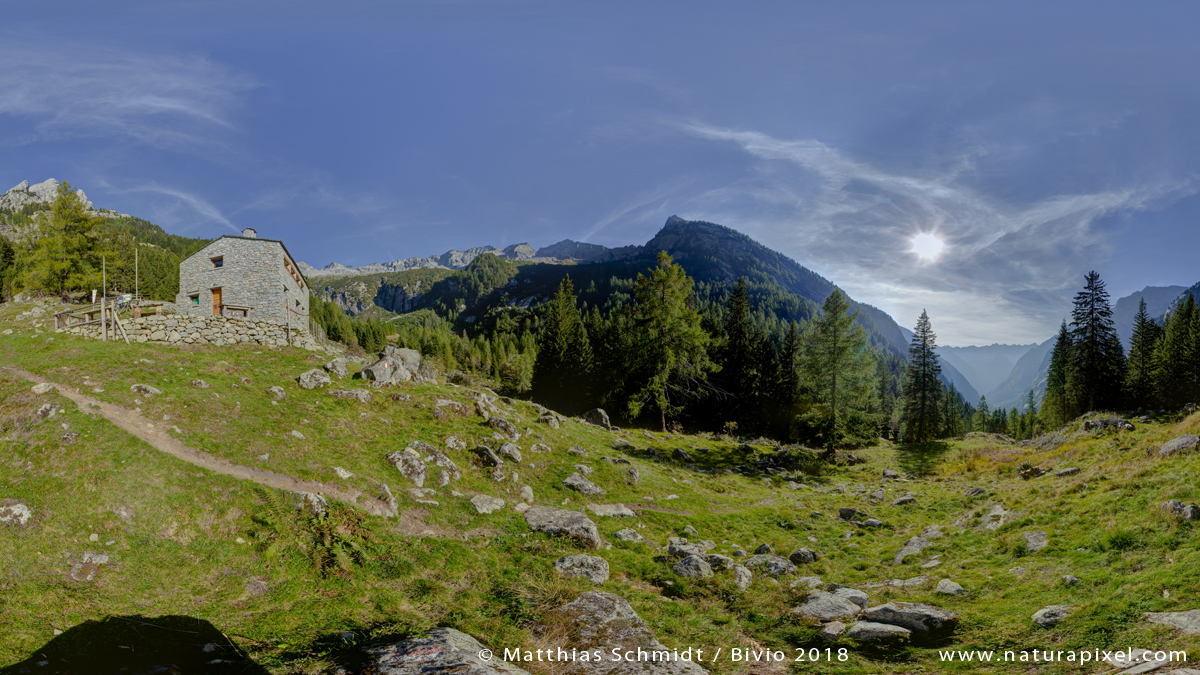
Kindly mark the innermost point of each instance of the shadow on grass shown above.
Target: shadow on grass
(922, 459)
(138, 644)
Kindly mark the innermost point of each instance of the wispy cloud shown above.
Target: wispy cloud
(1008, 268)
(197, 205)
(170, 102)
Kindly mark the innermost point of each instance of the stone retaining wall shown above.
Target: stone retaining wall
(207, 330)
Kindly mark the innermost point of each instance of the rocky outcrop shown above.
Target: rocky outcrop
(394, 366)
(1049, 616)
(582, 252)
(590, 567)
(444, 650)
(914, 616)
(1187, 622)
(601, 622)
(1181, 444)
(824, 606)
(566, 523)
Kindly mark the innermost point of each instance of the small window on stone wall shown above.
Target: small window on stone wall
(195, 300)
(218, 261)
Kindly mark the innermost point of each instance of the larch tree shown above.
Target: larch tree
(923, 386)
(671, 362)
(63, 252)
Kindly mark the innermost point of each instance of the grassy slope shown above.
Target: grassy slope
(487, 575)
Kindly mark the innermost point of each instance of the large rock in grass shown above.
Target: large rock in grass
(824, 606)
(870, 631)
(599, 621)
(912, 547)
(14, 512)
(1187, 622)
(311, 379)
(566, 523)
(1178, 445)
(589, 567)
(914, 616)
(771, 565)
(577, 482)
(598, 417)
(444, 650)
(409, 465)
(338, 367)
(486, 504)
(1049, 616)
(692, 566)
(360, 395)
(1035, 541)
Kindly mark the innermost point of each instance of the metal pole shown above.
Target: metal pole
(103, 299)
(135, 270)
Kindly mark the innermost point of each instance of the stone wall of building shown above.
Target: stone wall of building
(253, 274)
(208, 330)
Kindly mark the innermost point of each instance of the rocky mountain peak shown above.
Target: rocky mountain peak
(41, 193)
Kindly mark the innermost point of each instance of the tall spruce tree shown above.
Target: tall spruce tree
(1139, 373)
(564, 355)
(1097, 359)
(670, 347)
(923, 387)
(839, 367)
(1058, 403)
(739, 356)
(1175, 355)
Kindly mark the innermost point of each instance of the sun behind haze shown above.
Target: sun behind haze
(927, 246)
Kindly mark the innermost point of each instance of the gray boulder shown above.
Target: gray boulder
(914, 616)
(505, 427)
(598, 417)
(510, 451)
(947, 587)
(277, 393)
(720, 562)
(1069, 471)
(14, 513)
(825, 606)
(444, 650)
(42, 388)
(804, 556)
(1178, 509)
(1035, 541)
(489, 457)
(311, 379)
(742, 577)
(612, 510)
(1049, 616)
(485, 504)
(683, 550)
(870, 631)
(912, 547)
(764, 549)
(1187, 622)
(338, 367)
(995, 518)
(589, 567)
(1181, 444)
(599, 621)
(832, 630)
(629, 534)
(578, 482)
(145, 389)
(853, 595)
(360, 395)
(772, 565)
(906, 499)
(565, 523)
(692, 566)
(410, 466)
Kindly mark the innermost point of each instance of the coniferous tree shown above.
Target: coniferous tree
(1174, 356)
(982, 415)
(740, 355)
(1097, 358)
(1139, 374)
(838, 367)
(564, 355)
(923, 388)
(1058, 403)
(669, 346)
(63, 252)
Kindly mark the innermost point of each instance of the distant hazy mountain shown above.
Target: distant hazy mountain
(985, 367)
(950, 372)
(452, 260)
(1158, 300)
(1029, 373)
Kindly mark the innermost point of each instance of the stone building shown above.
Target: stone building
(244, 277)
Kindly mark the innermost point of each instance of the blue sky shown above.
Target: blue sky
(1038, 140)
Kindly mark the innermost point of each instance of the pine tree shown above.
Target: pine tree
(1096, 356)
(669, 346)
(1058, 403)
(923, 388)
(740, 378)
(564, 355)
(1174, 356)
(982, 415)
(838, 366)
(1139, 375)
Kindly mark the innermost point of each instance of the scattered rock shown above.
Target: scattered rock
(342, 473)
(409, 466)
(510, 451)
(906, 499)
(360, 395)
(912, 547)
(1071, 471)
(505, 427)
(810, 582)
(1049, 616)
(587, 487)
(832, 631)
(611, 510)
(312, 379)
(692, 566)
(720, 562)
(485, 504)
(628, 534)
(527, 494)
(297, 434)
(561, 522)
(47, 410)
(1187, 622)
(584, 469)
(1178, 509)
(870, 631)
(889, 473)
(576, 450)
(773, 565)
(539, 448)
(689, 530)
(145, 389)
(975, 492)
(1070, 580)
(277, 393)
(444, 650)
(825, 606)
(947, 587)
(201, 384)
(598, 417)
(14, 513)
(995, 518)
(1180, 444)
(338, 367)
(581, 565)
(803, 556)
(914, 616)
(742, 577)
(1035, 541)
(632, 475)
(764, 549)
(43, 388)
(854, 595)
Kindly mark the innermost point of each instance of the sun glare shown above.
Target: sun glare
(927, 246)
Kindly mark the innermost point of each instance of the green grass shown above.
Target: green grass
(175, 551)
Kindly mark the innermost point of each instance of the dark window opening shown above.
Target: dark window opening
(219, 261)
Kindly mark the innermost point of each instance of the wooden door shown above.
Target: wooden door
(216, 301)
